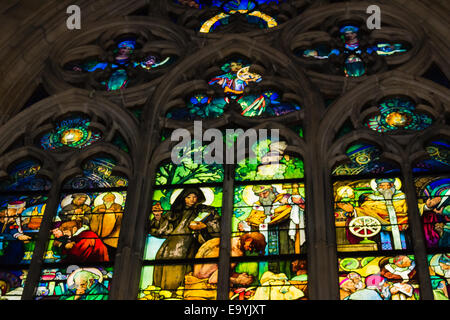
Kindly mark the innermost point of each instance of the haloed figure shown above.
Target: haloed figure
(106, 220)
(86, 286)
(185, 237)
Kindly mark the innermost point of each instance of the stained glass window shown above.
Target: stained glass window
(185, 220)
(432, 183)
(23, 199)
(364, 159)
(84, 236)
(269, 280)
(97, 173)
(12, 283)
(75, 283)
(72, 132)
(437, 160)
(433, 194)
(371, 220)
(354, 52)
(371, 215)
(115, 75)
(398, 114)
(271, 163)
(269, 221)
(439, 266)
(236, 76)
(186, 214)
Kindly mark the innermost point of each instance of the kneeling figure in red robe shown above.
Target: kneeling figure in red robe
(82, 245)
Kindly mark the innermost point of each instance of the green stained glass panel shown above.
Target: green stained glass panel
(270, 163)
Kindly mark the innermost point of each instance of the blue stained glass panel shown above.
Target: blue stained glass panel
(439, 158)
(97, 173)
(364, 159)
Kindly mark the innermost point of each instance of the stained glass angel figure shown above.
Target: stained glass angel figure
(236, 77)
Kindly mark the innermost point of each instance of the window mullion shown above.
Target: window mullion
(418, 243)
(225, 233)
(34, 272)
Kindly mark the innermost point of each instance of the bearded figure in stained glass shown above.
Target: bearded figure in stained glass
(86, 284)
(77, 244)
(279, 216)
(192, 223)
(387, 204)
(119, 77)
